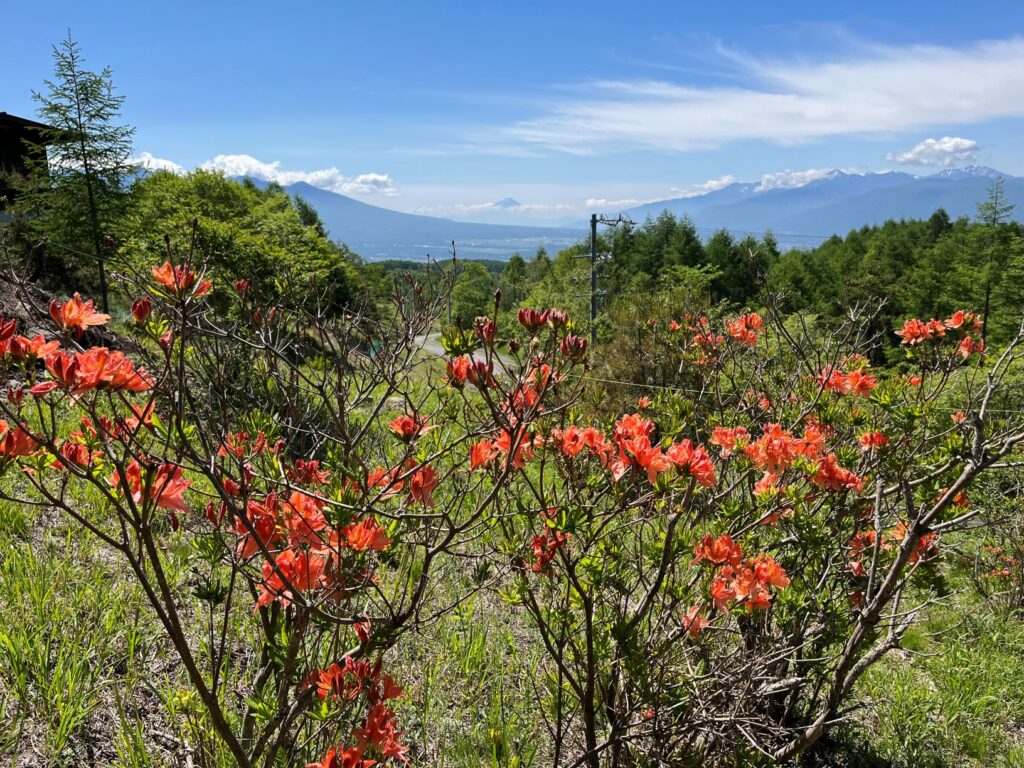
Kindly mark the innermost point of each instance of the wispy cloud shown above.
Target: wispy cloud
(877, 89)
(616, 205)
(476, 209)
(326, 178)
(944, 153)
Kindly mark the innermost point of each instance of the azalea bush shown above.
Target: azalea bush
(314, 482)
(708, 574)
(711, 574)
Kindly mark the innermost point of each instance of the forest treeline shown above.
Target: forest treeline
(918, 268)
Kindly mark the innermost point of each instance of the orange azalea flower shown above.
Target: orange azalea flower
(366, 534)
(632, 425)
(78, 454)
(15, 442)
(544, 547)
(308, 473)
(343, 758)
(774, 451)
(721, 591)
(75, 315)
(925, 549)
(968, 347)
(694, 621)
(97, 368)
(638, 451)
(962, 318)
(409, 426)
(768, 571)
(873, 441)
(916, 331)
(378, 731)
(263, 517)
(27, 351)
(422, 485)
(166, 487)
(304, 519)
(179, 280)
(644, 402)
(834, 477)
(481, 454)
(717, 551)
(693, 459)
(860, 384)
(386, 479)
(746, 328)
(768, 484)
(524, 449)
(458, 370)
(729, 439)
(304, 572)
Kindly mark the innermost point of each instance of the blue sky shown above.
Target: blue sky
(446, 108)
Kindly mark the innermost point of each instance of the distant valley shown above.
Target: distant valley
(800, 216)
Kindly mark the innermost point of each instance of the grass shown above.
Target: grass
(86, 678)
(955, 698)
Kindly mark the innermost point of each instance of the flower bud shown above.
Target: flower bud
(486, 330)
(574, 347)
(557, 318)
(141, 308)
(532, 319)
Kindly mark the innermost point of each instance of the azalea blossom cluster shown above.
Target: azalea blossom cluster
(778, 449)
(735, 582)
(857, 382)
(702, 338)
(629, 449)
(377, 734)
(303, 551)
(961, 323)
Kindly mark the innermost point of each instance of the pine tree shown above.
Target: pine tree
(79, 194)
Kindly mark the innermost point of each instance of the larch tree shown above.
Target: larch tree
(82, 189)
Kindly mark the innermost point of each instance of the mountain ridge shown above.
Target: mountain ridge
(833, 204)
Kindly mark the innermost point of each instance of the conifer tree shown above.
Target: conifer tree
(994, 213)
(81, 191)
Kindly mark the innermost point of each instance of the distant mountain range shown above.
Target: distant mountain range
(797, 216)
(836, 203)
(380, 233)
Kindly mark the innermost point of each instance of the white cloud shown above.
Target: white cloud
(945, 152)
(150, 163)
(792, 179)
(327, 178)
(702, 189)
(878, 90)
